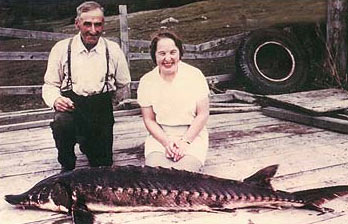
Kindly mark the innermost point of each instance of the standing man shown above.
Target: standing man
(82, 73)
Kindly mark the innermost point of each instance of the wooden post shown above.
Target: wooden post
(336, 35)
(124, 30)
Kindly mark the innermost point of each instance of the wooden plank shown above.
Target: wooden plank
(37, 89)
(30, 34)
(223, 97)
(25, 125)
(324, 122)
(20, 90)
(36, 119)
(40, 35)
(336, 39)
(243, 96)
(26, 117)
(43, 56)
(209, 55)
(23, 111)
(127, 126)
(23, 56)
(187, 55)
(265, 140)
(124, 30)
(214, 105)
(315, 101)
(235, 39)
(242, 109)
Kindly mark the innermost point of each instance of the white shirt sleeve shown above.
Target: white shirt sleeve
(202, 89)
(144, 92)
(122, 74)
(53, 76)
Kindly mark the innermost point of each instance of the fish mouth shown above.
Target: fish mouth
(15, 199)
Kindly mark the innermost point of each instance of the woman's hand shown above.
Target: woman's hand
(170, 150)
(180, 148)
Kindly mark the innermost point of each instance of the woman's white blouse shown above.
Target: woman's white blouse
(174, 103)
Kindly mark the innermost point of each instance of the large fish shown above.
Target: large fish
(132, 188)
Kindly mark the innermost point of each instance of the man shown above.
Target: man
(81, 74)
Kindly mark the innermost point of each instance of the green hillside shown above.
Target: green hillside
(198, 22)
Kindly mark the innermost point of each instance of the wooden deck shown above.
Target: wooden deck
(240, 144)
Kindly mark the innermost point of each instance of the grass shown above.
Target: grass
(198, 22)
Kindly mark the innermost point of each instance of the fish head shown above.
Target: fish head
(46, 195)
(20, 199)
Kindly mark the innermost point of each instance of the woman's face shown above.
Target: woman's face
(167, 56)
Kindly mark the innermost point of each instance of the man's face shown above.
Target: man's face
(91, 25)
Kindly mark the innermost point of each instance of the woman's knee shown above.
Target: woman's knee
(157, 159)
(189, 163)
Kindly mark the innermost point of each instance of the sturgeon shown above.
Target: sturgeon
(134, 188)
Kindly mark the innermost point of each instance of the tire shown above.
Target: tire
(272, 62)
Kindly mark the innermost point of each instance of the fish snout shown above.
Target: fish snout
(16, 199)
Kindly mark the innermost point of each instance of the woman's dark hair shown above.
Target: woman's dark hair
(164, 34)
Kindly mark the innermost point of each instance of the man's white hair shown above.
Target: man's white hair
(88, 6)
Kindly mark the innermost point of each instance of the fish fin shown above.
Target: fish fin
(314, 198)
(227, 210)
(263, 177)
(314, 207)
(81, 215)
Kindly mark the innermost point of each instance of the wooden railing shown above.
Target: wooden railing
(199, 51)
(191, 50)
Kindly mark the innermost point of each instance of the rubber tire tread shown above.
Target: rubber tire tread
(254, 81)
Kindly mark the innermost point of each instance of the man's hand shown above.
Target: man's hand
(63, 104)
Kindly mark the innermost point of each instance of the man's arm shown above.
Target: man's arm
(122, 76)
(123, 92)
(53, 77)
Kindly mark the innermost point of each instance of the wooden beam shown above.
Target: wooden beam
(124, 30)
(243, 96)
(30, 34)
(336, 37)
(36, 89)
(329, 123)
(20, 90)
(209, 55)
(315, 102)
(23, 56)
(235, 39)
(223, 97)
(39, 35)
(131, 56)
(234, 109)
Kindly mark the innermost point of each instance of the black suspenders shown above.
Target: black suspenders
(69, 84)
(107, 55)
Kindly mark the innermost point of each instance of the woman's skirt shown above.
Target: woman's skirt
(198, 148)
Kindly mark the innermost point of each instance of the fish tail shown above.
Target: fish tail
(314, 198)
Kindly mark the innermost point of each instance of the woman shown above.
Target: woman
(174, 100)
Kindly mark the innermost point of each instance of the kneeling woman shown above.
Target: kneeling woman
(174, 100)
